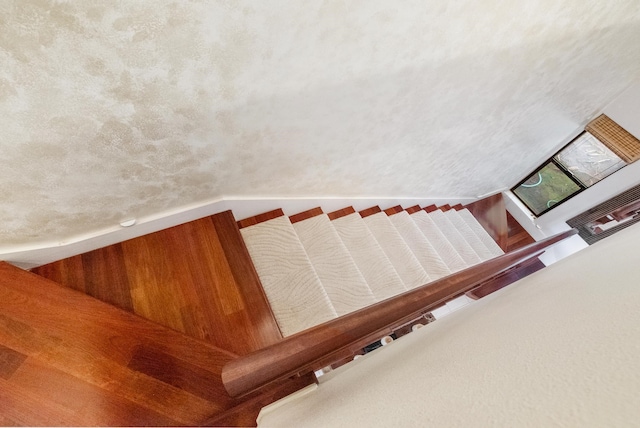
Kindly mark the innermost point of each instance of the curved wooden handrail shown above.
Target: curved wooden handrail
(303, 351)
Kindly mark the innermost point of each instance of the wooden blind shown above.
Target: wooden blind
(621, 142)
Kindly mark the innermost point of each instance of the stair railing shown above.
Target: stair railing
(321, 345)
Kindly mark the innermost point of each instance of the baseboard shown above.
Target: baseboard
(33, 255)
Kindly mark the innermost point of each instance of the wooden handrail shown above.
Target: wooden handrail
(302, 352)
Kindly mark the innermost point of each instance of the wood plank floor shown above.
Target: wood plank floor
(196, 278)
(69, 359)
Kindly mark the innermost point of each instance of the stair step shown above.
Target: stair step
(424, 251)
(375, 266)
(396, 249)
(469, 235)
(297, 297)
(457, 240)
(440, 242)
(346, 287)
(480, 232)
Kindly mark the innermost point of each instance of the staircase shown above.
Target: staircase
(173, 309)
(315, 267)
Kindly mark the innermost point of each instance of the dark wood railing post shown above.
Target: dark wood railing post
(304, 351)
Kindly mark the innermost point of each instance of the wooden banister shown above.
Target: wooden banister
(307, 350)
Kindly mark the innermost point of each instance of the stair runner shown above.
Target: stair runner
(315, 267)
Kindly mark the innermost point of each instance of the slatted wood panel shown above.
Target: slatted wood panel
(619, 140)
(196, 278)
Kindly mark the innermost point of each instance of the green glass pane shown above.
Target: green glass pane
(545, 188)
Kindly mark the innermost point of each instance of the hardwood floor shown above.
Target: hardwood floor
(69, 359)
(196, 278)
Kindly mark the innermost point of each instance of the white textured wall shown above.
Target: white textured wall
(119, 109)
(558, 348)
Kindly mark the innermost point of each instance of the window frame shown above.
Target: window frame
(564, 170)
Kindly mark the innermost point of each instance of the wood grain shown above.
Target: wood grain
(302, 352)
(77, 356)
(492, 215)
(305, 215)
(370, 211)
(260, 218)
(516, 273)
(430, 208)
(196, 278)
(10, 360)
(413, 209)
(341, 213)
(394, 210)
(517, 236)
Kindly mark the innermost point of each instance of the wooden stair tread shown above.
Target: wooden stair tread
(394, 210)
(334, 215)
(260, 218)
(413, 209)
(370, 211)
(313, 212)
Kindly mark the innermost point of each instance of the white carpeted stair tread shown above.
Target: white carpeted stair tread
(439, 241)
(397, 250)
(457, 240)
(428, 257)
(367, 254)
(481, 233)
(294, 291)
(468, 234)
(346, 287)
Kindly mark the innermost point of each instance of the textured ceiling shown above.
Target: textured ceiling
(119, 109)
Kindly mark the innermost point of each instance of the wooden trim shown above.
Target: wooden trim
(413, 209)
(457, 207)
(341, 213)
(492, 215)
(430, 208)
(370, 211)
(394, 210)
(305, 215)
(444, 208)
(260, 218)
(303, 351)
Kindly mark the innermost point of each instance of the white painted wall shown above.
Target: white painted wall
(558, 348)
(129, 109)
(625, 110)
(32, 255)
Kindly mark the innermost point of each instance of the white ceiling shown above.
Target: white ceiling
(119, 109)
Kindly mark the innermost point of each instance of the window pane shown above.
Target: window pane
(545, 188)
(589, 160)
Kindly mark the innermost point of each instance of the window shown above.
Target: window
(579, 165)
